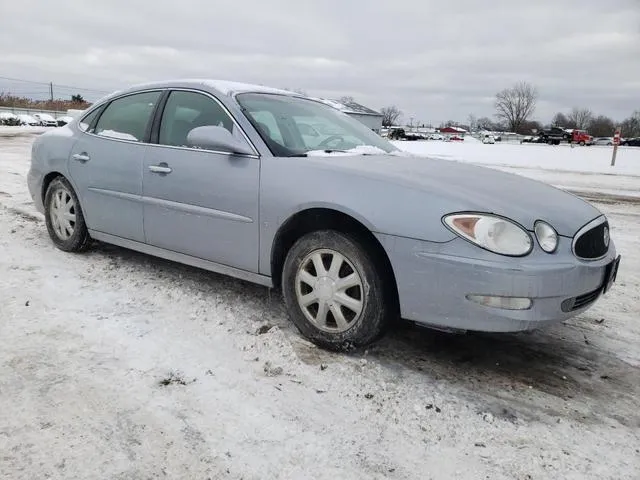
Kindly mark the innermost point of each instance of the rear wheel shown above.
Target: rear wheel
(64, 218)
(334, 291)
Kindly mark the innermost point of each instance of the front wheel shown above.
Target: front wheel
(64, 218)
(334, 291)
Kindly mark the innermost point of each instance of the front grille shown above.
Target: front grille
(581, 301)
(591, 244)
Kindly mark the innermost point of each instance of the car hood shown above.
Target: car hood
(467, 187)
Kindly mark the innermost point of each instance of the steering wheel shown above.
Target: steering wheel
(325, 143)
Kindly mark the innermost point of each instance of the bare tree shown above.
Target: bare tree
(560, 120)
(580, 118)
(473, 122)
(631, 126)
(531, 126)
(390, 115)
(516, 104)
(602, 126)
(484, 123)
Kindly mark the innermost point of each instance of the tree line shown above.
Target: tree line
(515, 107)
(13, 101)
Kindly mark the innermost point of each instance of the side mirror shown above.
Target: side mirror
(219, 139)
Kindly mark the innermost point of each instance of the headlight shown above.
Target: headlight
(547, 236)
(496, 234)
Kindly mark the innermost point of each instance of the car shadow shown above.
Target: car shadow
(540, 375)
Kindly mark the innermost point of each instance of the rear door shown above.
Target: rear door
(198, 202)
(106, 165)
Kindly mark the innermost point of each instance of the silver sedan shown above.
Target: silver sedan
(283, 190)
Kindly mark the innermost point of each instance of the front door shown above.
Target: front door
(198, 202)
(106, 166)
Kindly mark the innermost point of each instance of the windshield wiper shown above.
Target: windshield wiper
(326, 150)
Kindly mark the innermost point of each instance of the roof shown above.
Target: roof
(452, 130)
(225, 87)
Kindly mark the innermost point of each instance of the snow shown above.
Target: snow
(119, 365)
(7, 116)
(359, 150)
(6, 131)
(118, 135)
(586, 171)
(594, 159)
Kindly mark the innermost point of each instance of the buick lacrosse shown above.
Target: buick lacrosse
(273, 187)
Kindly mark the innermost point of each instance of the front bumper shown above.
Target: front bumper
(434, 280)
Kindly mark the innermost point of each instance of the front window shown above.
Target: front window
(295, 126)
(185, 111)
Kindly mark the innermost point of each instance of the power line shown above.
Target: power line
(58, 86)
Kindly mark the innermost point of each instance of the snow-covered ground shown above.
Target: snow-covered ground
(581, 169)
(118, 365)
(6, 131)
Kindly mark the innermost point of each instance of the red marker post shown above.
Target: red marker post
(616, 142)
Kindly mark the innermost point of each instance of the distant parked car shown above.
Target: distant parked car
(455, 138)
(28, 120)
(436, 136)
(62, 121)
(632, 142)
(355, 232)
(603, 141)
(490, 139)
(9, 119)
(46, 120)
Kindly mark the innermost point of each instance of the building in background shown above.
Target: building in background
(453, 130)
(365, 115)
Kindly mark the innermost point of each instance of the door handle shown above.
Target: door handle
(81, 157)
(162, 168)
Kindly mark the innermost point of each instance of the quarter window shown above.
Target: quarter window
(185, 111)
(86, 122)
(127, 118)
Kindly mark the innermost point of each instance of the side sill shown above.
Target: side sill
(182, 258)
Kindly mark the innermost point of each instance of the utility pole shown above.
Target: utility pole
(51, 90)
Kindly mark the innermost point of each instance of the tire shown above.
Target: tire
(354, 329)
(582, 144)
(550, 142)
(60, 203)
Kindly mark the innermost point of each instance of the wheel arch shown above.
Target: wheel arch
(46, 181)
(326, 218)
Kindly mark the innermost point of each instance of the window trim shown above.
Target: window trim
(98, 111)
(106, 104)
(155, 132)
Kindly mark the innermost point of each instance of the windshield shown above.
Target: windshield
(295, 126)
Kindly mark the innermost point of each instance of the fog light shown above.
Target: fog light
(505, 303)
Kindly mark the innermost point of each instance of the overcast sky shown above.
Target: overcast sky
(435, 60)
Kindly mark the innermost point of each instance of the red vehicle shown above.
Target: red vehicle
(581, 138)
